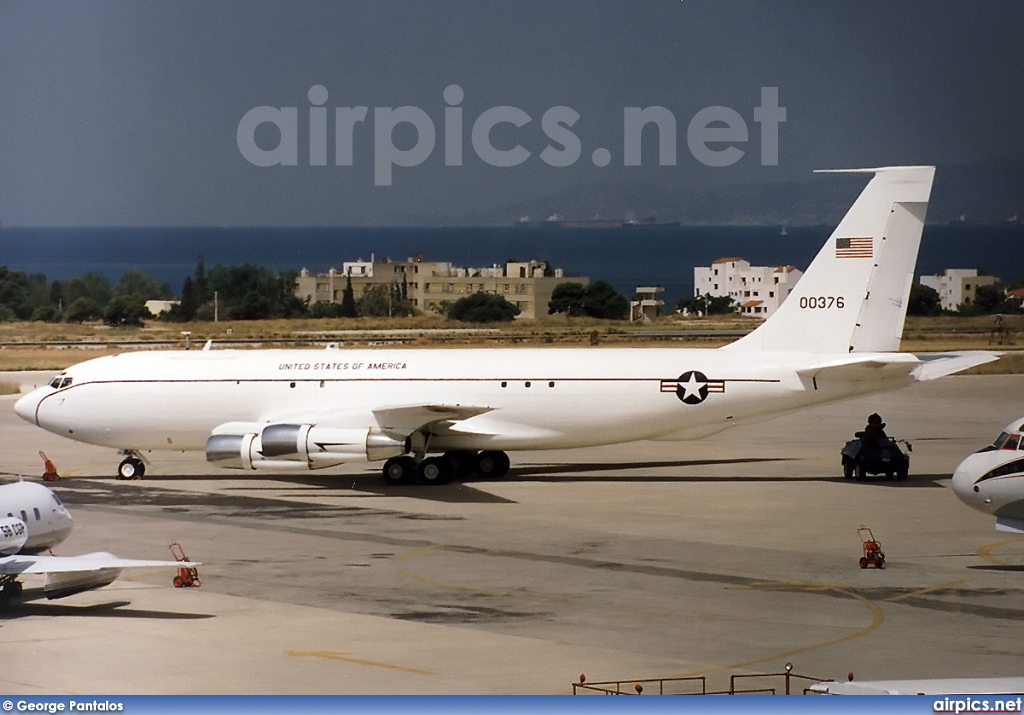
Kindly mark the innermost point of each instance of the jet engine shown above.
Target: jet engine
(290, 446)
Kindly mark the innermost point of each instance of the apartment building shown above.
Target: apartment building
(957, 286)
(432, 285)
(757, 291)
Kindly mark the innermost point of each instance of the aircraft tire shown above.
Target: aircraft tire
(492, 463)
(861, 472)
(131, 468)
(463, 461)
(13, 588)
(848, 469)
(436, 470)
(399, 470)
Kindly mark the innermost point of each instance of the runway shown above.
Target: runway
(736, 553)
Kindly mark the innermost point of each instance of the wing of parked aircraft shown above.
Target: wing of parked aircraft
(67, 575)
(38, 521)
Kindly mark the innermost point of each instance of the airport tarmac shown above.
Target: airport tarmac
(736, 553)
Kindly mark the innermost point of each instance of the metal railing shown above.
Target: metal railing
(678, 686)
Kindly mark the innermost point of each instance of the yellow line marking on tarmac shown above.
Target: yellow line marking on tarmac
(876, 620)
(929, 589)
(781, 584)
(332, 655)
(985, 552)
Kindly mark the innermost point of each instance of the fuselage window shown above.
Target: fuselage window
(24, 516)
(35, 511)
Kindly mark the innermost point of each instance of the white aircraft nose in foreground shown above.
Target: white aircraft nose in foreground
(33, 520)
(834, 337)
(992, 479)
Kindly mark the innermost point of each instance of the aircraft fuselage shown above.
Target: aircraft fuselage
(536, 398)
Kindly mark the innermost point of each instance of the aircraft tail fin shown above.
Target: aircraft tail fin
(853, 296)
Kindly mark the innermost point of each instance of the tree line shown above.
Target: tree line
(251, 292)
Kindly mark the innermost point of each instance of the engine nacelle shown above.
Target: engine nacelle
(291, 446)
(13, 535)
(67, 583)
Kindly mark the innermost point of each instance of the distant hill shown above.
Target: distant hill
(979, 193)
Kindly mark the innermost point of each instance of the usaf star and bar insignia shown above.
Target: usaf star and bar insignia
(692, 387)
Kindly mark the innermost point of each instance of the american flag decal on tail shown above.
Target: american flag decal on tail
(854, 247)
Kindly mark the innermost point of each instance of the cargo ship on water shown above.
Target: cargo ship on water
(561, 222)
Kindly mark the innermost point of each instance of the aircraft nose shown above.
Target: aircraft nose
(964, 485)
(25, 407)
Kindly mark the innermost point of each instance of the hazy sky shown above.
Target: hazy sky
(128, 113)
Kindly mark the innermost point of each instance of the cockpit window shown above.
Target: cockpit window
(60, 381)
(55, 382)
(1013, 443)
(1001, 439)
(56, 499)
(65, 382)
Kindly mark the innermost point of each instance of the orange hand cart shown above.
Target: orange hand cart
(873, 555)
(188, 576)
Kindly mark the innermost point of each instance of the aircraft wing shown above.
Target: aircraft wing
(409, 418)
(67, 575)
(393, 419)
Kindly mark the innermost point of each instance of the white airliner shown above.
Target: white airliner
(992, 479)
(834, 337)
(33, 520)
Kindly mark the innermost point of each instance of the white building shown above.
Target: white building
(957, 286)
(156, 307)
(647, 304)
(757, 291)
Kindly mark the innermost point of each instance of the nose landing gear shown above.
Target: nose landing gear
(131, 467)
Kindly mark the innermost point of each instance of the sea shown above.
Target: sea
(626, 257)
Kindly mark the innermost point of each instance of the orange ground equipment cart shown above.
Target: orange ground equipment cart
(873, 555)
(49, 470)
(188, 576)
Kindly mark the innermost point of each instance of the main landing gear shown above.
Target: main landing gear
(456, 464)
(10, 588)
(132, 466)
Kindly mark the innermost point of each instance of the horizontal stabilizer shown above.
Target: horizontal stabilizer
(875, 368)
(942, 364)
